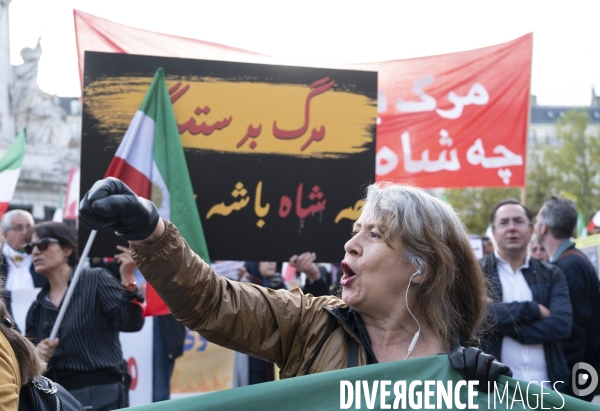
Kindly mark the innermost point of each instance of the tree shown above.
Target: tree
(570, 168)
(573, 167)
(474, 205)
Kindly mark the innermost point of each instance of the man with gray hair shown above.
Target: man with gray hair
(554, 227)
(16, 268)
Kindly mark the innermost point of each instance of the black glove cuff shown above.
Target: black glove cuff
(476, 365)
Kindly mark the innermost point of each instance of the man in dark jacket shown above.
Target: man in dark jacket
(529, 305)
(554, 226)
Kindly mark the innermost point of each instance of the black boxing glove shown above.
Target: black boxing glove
(476, 365)
(111, 204)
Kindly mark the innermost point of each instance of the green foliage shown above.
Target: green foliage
(572, 168)
(474, 205)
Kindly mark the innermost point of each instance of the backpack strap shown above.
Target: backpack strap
(574, 251)
(330, 329)
(571, 251)
(353, 352)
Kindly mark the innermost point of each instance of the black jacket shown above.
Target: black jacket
(173, 333)
(521, 320)
(584, 288)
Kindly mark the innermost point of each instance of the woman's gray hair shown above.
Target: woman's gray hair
(452, 292)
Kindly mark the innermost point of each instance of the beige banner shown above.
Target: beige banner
(203, 367)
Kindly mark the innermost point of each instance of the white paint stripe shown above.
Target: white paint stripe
(138, 144)
(8, 183)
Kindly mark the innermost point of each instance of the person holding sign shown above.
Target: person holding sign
(86, 358)
(411, 287)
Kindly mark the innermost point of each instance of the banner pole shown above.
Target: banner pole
(524, 188)
(71, 288)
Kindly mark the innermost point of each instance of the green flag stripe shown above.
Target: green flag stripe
(170, 161)
(13, 158)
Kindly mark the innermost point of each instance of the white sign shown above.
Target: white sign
(477, 246)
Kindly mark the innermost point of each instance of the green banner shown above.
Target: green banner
(423, 383)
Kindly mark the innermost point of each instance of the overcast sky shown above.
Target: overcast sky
(566, 57)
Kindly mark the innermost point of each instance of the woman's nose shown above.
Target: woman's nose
(352, 246)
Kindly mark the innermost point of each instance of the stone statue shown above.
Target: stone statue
(32, 107)
(48, 133)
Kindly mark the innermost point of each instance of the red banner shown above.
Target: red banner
(455, 120)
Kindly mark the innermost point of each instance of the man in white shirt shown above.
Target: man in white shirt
(16, 267)
(529, 303)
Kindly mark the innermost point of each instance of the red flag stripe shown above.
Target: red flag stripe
(136, 180)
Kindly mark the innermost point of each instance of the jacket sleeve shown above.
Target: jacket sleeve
(555, 327)
(584, 288)
(123, 308)
(504, 315)
(10, 377)
(268, 324)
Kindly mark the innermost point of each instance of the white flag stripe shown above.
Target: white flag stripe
(164, 208)
(137, 145)
(8, 183)
(58, 215)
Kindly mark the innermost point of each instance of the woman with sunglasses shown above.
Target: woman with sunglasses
(86, 358)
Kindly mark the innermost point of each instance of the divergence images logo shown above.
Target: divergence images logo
(581, 379)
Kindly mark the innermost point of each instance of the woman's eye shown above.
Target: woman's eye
(375, 235)
(353, 233)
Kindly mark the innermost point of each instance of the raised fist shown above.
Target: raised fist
(111, 204)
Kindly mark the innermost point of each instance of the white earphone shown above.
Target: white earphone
(416, 337)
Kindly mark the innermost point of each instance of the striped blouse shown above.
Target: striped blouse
(89, 333)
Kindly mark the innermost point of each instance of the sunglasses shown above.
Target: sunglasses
(42, 244)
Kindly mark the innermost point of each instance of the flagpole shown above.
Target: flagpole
(65, 303)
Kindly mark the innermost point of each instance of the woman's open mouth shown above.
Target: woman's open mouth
(348, 276)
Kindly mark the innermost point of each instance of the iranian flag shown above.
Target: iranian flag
(150, 160)
(10, 167)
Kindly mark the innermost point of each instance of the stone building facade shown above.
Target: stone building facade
(53, 137)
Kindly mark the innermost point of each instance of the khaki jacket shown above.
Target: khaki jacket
(10, 377)
(285, 327)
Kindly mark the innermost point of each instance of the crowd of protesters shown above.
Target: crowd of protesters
(543, 304)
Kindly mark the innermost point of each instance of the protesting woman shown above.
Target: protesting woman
(86, 358)
(411, 287)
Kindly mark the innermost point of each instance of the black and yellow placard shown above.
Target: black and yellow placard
(277, 154)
